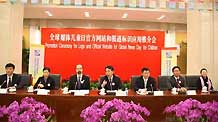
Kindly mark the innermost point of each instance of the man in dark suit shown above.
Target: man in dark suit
(110, 81)
(10, 79)
(79, 81)
(145, 81)
(46, 81)
(176, 80)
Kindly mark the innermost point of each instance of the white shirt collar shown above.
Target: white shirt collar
(110, 78)
(10, 77)
(79, 75)
(176, 77)
(145, 80)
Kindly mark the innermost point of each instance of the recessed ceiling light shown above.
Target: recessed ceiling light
(161, 17)
(48, 13)
(86, 14)
(125, 15)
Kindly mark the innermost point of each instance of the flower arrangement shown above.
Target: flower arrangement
(29, 110)
(192, 110)
(114, 111)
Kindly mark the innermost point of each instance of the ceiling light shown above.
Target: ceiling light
(86, 14)
(48, 13)
(161, 17)
(125, 15)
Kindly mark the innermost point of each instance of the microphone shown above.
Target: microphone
(3, 83)
(152, 90)
(38, 85)
(75, 86)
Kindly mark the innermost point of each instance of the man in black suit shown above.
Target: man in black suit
(46, 81)
(79, 81)
(176, 80)
(110, 81)
(10, 79)
(145, 81)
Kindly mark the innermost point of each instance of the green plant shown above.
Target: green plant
(65, 83)
(94, 85)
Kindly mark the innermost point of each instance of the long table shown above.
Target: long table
(68, 107)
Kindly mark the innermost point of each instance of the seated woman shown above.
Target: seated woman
(46, 81)
(204, 80)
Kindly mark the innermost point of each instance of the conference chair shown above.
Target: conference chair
(163, 83)
(133, 80)
(191, 81)
(26, 80)
(57, 79)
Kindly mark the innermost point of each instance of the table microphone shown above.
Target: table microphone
(152, 90)
(2, 84)
(75, 86)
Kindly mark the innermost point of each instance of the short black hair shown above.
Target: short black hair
(203, 70)
(109, 67)
(46, 68)
(145, 69)
(10, 65)
(176, 67)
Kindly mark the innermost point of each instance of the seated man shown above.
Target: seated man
(46, 81)
(176, 80)
(145, 81)
(10, 79)
(79, 81)
(110, 81)
(204, 80)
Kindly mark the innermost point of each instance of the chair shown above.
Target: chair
(133, 80)
(163, 83)
(26, 80)
(57, 79)
(191, 81)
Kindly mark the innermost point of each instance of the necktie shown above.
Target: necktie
(79, 83)
(110, 83)
(9, 82)
(177, 82)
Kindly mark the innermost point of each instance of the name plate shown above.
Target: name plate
(3, 91)
(121, 93)
(42, 92)
(158, 93)
(12, 89)
(79, 92)
(191, 92)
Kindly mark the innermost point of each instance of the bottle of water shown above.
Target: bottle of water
(126, 89)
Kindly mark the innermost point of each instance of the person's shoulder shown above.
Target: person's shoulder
(41, 77)
(3, 75)
(139, 78)
(170, 78)
(115, 76)
(182, 77)
(16, 75)
(151, 78)
(85, 76)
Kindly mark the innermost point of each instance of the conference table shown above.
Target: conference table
(68, 107)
